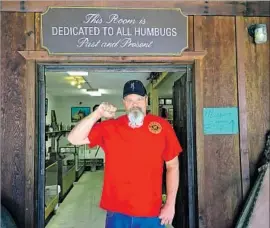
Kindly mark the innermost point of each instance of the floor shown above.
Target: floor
(80, 208)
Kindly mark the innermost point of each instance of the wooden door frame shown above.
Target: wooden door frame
(40, 107)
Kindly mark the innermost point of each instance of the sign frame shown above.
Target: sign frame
(112, 54)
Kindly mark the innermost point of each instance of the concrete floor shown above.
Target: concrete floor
(80, 209)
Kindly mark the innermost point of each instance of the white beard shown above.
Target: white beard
(136, 117)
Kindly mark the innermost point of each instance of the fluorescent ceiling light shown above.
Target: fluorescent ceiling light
(94, 93)
(104, 91)
(78, 73)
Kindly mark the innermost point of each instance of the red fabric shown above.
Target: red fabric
(134, 163)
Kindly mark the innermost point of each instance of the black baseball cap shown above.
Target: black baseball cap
(134, 87)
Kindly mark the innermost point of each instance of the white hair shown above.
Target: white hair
(136, 117)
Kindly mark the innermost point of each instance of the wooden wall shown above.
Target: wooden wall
(18, 141)
(257, 69)
(219, 158)
(220, 179)
(13, 114)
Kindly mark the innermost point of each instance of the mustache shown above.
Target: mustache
(135, 109)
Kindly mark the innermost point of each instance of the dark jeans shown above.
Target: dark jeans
(117, 220)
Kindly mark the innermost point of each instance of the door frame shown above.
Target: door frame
(41, 119)
(187, 196)
(41, 147)
(191, 157)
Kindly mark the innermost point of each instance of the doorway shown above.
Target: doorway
(183, 102)
(182, 122)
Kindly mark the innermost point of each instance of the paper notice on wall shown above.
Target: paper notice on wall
(220, 121)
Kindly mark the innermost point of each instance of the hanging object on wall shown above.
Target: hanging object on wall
(220, 120)
(78, 113)
(258, 32)
(153, 77)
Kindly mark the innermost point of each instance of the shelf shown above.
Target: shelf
(56, 132)
(50, 163)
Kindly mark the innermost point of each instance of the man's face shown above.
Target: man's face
(135, 106)
(134, 101)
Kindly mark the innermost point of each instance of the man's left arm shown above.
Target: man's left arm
(170, 156)
(172, 183)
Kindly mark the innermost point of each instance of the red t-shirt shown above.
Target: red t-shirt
(134, 163)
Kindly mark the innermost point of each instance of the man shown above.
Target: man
(135, 146)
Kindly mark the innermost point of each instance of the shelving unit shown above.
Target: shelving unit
(66, 173)
(59, 175)
(51, 189)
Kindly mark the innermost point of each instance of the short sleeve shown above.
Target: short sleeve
(172, 145)
(96, 135)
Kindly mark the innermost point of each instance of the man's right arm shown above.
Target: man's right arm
(79, 134)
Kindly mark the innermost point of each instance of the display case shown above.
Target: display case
(52, 189)
(66, 170)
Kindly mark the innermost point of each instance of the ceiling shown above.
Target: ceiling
(165, 88)
(110, 84)
(58, 83)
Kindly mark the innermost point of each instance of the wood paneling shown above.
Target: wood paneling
(190, 33)
(241, 76)
(198, 45)
(198, 77)
(220, 190)
(249, 8)
(13, 114)
(30, 155)
(37, 32)
(43, 56)
(257, 62)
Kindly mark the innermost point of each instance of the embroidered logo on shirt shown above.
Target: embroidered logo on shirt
(155, 127)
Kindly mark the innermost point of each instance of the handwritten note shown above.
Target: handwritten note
(220, 121)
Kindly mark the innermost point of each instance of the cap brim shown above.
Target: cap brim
(141, 94)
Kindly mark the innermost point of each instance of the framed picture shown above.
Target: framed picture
(78, 113)
(161, 101)
(168, 101)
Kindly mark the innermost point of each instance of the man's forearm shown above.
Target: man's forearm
(172, 184)
(80, 132)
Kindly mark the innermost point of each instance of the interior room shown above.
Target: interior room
(74, 174)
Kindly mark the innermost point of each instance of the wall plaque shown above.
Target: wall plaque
(113, 31)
